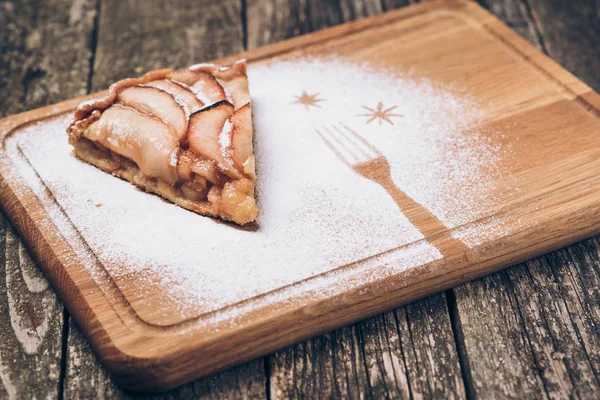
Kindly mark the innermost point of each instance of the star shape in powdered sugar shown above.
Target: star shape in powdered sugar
(308, 100)
(380, 114)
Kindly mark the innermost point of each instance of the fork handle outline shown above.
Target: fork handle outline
(434, 231)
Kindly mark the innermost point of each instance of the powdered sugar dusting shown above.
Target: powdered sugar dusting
(225, 140)
(316, 215)
(435, 156)
(225, 135)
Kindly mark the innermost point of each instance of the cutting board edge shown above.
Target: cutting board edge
(128, 367)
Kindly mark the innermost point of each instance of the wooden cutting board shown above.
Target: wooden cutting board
(398, 156)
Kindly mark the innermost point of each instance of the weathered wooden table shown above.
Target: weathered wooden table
(531, 331)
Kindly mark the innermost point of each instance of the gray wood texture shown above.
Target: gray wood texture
(86, 378)
(44, 58)
(135, 36)
(528, 332)
(539, 320)
(45, 52)
(31, 321)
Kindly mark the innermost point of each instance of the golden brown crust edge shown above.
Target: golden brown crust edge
(104, 159)
(83, 112)
(84, 149)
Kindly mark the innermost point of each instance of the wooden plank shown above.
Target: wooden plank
(569, 31)
(322, 15)
(273, 20)
(429, 349)
(86, 378)
(44, 59)
(495, 347)
(45, 52)
(330, 366)
(133, 37)
(392, 4)
(406, 353)
(380, 357)
(563, 338)
(531, 331)
(516, 14)
(31, 322)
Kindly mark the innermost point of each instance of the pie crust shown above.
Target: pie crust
(185, 135)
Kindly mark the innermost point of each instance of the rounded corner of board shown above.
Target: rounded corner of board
(135, 371)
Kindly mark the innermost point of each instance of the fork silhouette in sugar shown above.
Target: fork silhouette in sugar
(354, 151)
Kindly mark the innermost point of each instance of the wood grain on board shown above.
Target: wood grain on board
(450, 78)
(391, 355)
(513, 342)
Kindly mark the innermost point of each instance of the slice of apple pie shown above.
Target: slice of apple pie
(185, 135)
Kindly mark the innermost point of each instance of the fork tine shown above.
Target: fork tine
(364, 152)
(333, 148)
(344, 144)
(374, 152)
(348, 145)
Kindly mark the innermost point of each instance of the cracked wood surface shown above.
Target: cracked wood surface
(44, 58)
(527, 332)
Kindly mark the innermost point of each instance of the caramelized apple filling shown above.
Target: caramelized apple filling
(185, 135)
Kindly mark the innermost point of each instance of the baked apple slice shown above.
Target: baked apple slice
(157, 102)
(142, 138)
(208, 89)
(209, 135)
(237, 89)
(157, 133)
(241, 136)
(233, 80)
(180, 91)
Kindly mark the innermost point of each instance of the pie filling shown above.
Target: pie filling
(185, 135)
